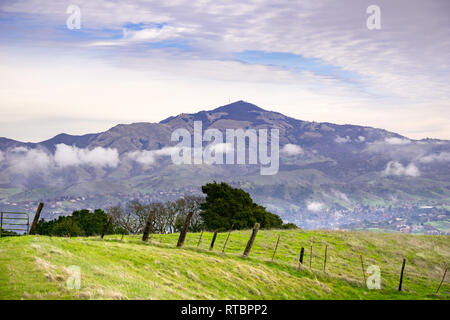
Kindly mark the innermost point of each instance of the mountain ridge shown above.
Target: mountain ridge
(239, 105)
(324, 167)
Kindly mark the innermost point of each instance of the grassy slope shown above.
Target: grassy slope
(34, 267)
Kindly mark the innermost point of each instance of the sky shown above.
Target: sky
(143, 61)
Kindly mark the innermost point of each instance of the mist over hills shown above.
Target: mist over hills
(329, 175)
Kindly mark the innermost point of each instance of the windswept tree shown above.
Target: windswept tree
(225, 206)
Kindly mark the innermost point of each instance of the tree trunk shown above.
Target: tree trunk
(105, 227)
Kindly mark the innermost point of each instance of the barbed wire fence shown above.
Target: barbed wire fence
(322, 258)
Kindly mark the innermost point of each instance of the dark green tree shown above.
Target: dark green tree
(225, 206)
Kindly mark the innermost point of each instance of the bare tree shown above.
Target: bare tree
(126, 219)
(168, 217)
(171, 214)
(189, 206)
(139, 212)
(160, 219)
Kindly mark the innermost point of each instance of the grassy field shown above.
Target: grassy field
(36, 267)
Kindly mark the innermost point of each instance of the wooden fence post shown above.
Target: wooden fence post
(36, 218)
(213, 240)
(310, 258)
(225, 244)
(276, 247)
(325, 261)
(401, 275)
(251, 240)
(445, 272)
(105, 227)
(183, 232)
(300, 260)
(200, 239)
(363, 271)
(148, 226)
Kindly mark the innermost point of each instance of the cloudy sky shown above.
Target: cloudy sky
(134, 61)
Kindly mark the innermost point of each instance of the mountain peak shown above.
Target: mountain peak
(238, 106)
(238, 110)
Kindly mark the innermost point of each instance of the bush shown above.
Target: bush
(8, 233)
(289, 225)
(80, 223)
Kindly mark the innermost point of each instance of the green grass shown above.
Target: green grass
(35, 267)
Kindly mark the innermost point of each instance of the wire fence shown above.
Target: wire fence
(343, 263)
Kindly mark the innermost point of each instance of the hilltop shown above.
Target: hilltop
(35, 267)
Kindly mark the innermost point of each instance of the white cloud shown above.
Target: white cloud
(98, 157)
(342, 139)
(156, 34)
(341, 195)
(314, 206)
(222, 148)
(441, 157)
(396, 141)
(291, 149)
(146, 35)
(399, 149)
(394, 168)
(18, 149)
(361, 138)
(147, 157)
(21, 160)
(25, 161)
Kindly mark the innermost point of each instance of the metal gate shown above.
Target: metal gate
(14, 221)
